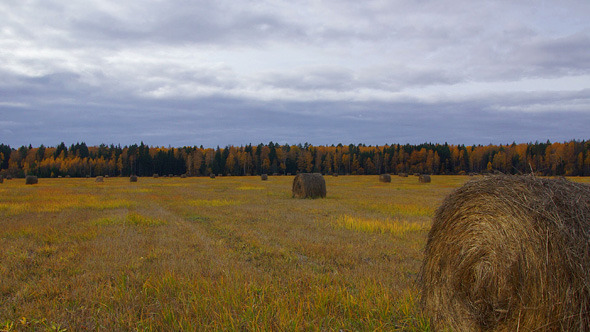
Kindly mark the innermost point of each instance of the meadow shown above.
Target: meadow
(230, 253)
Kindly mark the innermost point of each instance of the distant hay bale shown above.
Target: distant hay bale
(335, 175)
(106, 176)
(31, 179)
(275, 174)
(183, 176)
(508, 253)
(424, 178)
(309, 185)
(264, 177)
(68, 176)
(133, 178)
(212, 176)
(170, 175)
(288, 174)
(416, 174)
(403, 175)
(8, 177)
(1, 179)
(156, 175)
(99, 179)
(384, 178)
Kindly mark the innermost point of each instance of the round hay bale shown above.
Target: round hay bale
(155, 175)
(99, 179)
(508, 253)
(170, 175)
(309, 185)
(264, 177)
(31, 179)
(403, 175)
(183, 176)
(133, 178)
(212, 176)
(385, 178)
(416, 174)
(424, 178)
(68, 176)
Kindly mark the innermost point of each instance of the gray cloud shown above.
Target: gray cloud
(203, 72)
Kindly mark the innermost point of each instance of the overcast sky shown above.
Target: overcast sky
(325, 72)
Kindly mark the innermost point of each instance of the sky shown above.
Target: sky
(216, 73)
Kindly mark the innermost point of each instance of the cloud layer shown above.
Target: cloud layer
(219, 72)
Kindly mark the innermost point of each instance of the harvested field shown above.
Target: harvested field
(236, 253)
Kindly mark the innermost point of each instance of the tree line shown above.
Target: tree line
(79, 160)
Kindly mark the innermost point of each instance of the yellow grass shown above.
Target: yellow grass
(392, 226)
(236, 253)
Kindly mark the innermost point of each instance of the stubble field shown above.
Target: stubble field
(231, 253)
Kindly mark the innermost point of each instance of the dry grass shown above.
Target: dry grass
(237, 253)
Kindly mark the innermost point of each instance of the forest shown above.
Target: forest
(79, 160)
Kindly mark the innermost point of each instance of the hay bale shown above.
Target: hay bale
(133, 178)
(264, 177)
(385, 178)
(309, 185)
(212, 176)
(8, 177)
(156, 175)
(31, 179)
(335, 175)
(68, 176)
(1, 179)
(509, 253)
(424, 178)
(403, 175)
(99, 179)
(170, 175)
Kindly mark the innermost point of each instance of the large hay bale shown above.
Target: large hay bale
(31, 179)
(403, 175)
(183, 176)
(309, 185)
(508, 253)
(133, 178)
(384, 178)
(212, 176)
(424, 178)
(156, 175)
(99, 179)
(264, 177)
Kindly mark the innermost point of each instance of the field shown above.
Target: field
(231, 253)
